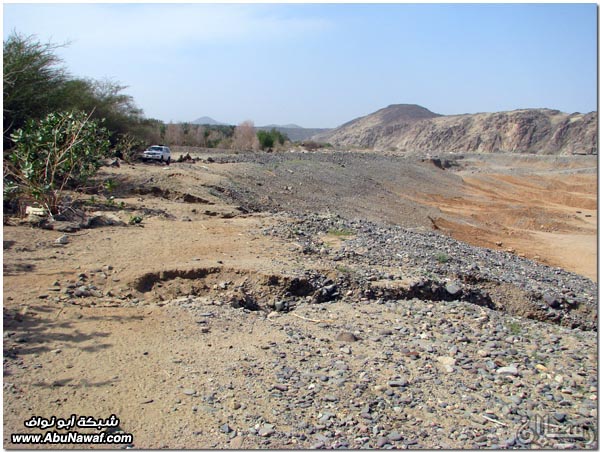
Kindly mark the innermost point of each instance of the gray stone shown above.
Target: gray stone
(346, 336)
(560, 417)
(395, 436)
(516, 400)
(551, 300)
(82, 292)
(508, 370)
(398, 382)
(453, 289)
(382, 441)
(266, 430)
(446, 360)
(62, 240)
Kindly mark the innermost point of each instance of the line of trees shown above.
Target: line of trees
(206, 136)
(36, 83)
(242, 137)
(58, 128)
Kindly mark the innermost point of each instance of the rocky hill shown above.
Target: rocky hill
(411, 128)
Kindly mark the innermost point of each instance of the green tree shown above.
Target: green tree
(106, 100)
(36, 83)
(265, 139)
(268, 139)
(33, 78)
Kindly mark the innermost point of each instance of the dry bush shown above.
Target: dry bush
(244, 137)
(174, 134)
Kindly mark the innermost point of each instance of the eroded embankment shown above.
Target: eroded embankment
(284, 292)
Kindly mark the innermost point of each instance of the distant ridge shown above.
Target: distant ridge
(284, 126)
(412, 128)
(293, 132)
(396, 113)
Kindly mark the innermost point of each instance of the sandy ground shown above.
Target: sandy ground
(549, 216)
(99, 358)
(103, 358)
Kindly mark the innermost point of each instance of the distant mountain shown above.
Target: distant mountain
(280, 126)
(293, 131)
(412, 128)
(205, 120)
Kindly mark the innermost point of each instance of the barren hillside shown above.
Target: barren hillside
(410, 128)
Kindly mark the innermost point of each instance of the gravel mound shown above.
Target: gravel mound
(446, 269)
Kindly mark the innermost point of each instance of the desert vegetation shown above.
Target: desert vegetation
(58, 151)
(206, 136)
(58, 127)
(36, 83)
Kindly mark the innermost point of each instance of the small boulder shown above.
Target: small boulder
(62, 240)
(398, 382)
(346, 336)
(508, 370)
(453, 289)
(551, 300)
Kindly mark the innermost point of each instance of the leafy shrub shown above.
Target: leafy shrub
(342, 232)
(514, 328)
(442, 258)
(128, 147)
(265, 139)
(59, 151)
(312, 146)
(135, 220)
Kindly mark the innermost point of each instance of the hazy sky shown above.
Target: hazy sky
(321, 65)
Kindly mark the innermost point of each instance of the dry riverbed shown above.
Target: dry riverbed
(298, 301)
